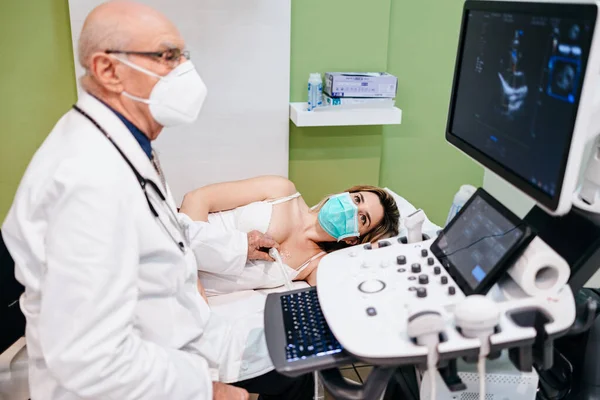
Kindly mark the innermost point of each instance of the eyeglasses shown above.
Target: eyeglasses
(169, 56)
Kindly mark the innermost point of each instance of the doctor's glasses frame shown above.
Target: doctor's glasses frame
(171, 57)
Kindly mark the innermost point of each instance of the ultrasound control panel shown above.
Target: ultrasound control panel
(368, 292)
(380, 289)
(415, 268)
(367, 296)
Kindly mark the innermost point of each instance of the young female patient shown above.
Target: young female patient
(271, 205)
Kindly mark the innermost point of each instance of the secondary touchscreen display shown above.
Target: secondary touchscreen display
(476, 242)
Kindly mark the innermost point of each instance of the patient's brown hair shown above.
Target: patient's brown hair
(388, 226)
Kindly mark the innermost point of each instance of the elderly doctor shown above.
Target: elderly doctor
(112, 303)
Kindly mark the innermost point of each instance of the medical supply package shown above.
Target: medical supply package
(357, 102)
(360, 84)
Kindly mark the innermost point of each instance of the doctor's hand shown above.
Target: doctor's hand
(222, 391)
(259, 245)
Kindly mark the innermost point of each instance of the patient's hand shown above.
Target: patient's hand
(259, 245)
(222, 391)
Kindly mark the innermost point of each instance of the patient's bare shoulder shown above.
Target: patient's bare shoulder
(279, 186)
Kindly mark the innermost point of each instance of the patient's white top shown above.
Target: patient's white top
(256, 274)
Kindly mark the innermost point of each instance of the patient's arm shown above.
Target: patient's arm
(229, 195)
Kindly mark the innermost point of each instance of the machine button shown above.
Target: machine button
(368, 246)
(412, 288)
(424, 253)
(421, 292)
(384, 264)
(430, 261)
(416, 268)
(451, 290)
(444, 280)
(412, 278)
(371, 286)
(401, 270)
(352, 253)
(383, 243)
(401, 260)
(371, 312)
(423, 279)
(437, 270)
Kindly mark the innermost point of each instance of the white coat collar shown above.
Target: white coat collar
(109, 121)
(121, 135)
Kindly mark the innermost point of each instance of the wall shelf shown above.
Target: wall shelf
(345, 117)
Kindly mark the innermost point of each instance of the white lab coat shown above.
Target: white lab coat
(111, 302)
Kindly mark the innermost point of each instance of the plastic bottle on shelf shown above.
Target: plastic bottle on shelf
(460, 198)
(315, 91)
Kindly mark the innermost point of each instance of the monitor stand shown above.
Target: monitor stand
(576, 237)
(589, 385)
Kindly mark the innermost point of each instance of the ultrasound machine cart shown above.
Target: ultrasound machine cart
(525, 104)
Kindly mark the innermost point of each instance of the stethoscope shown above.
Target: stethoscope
(144, 184)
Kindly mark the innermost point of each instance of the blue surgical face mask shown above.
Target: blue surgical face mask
(339, 217)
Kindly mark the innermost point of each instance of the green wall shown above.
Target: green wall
(415, 40)
(417, 162)
(36, 81)
(331, 159)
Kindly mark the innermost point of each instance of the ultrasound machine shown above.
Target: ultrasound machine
(525, 104)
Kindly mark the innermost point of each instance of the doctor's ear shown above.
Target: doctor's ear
(351, 241)
(104, 69)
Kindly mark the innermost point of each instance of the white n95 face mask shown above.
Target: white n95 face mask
(177, 97)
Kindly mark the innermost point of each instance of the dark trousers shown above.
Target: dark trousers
(274, 386)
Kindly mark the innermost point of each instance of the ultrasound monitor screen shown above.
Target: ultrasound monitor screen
(517, 90)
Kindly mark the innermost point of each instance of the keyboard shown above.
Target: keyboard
(298, 338)
(307, 332)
